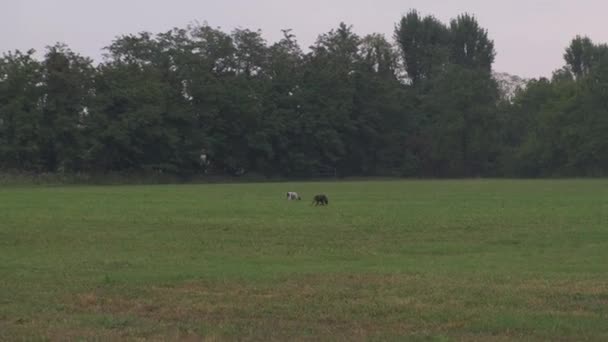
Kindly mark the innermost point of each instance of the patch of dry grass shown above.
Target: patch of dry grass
(341, 307)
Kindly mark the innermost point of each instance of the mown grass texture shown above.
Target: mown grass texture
(386, 260)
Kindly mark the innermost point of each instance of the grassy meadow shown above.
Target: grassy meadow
(470, 260)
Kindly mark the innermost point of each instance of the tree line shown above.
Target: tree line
(198, 100)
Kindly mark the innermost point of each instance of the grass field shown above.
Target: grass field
(486, 260)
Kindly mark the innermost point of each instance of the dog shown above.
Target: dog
(320, 199)
(291, 196)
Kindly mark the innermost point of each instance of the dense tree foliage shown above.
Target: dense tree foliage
(199, 100)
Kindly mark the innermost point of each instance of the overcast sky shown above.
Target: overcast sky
(530, 35)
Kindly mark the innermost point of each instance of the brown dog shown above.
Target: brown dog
(320, 199)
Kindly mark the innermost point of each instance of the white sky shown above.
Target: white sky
(530, 35)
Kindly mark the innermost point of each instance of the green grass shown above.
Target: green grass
(386, 260)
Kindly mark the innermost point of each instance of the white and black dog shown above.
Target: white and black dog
(291, 196)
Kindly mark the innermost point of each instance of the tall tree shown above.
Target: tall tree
(328, 82)
(580, 55)
(283, 119)
(424, 44)
(463, 123)
(68, 89)
(20, 111)
(381, 118)
(138, 107)
(469, 44)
